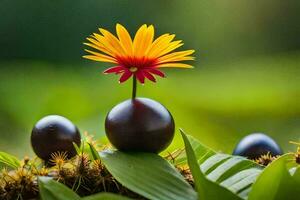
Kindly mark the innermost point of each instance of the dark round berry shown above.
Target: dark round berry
(54, 133)
(255, 145)
(140, 124)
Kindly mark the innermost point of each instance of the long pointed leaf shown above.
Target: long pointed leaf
(105, 196)
(275, 182)
(148, 175)
(219, 168)
(77, 148)
(207, 190)
(53, 190)
(95, 154)
(7, 160)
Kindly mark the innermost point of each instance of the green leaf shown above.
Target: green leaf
(207, 190)
(148, 175)
(77, 148)
(7, 160)
(105, 196)
(87, 148)
(94, 153)
(235, 173)
(241, 180)
(275, 182)
(201, 151)
(53, 190)
(296, 174)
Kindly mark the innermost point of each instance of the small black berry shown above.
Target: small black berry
(255, 145)
(140, 124)
(52, 134)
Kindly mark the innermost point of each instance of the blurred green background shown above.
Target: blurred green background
(246, 77)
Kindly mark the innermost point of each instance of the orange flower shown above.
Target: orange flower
(141, 57)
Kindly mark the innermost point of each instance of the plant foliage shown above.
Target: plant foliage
(148, 175)
(8, 160)
(199, 173)
(235, 173)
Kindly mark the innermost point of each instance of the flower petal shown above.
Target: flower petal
(106, 43)
(175, 55)
(172, 46)
(116, 69)
(96, 58)
(138, 39)
(125, 76)
(176, 65)
(113, 41)
(140, 77)
(156, 72)
(149, 76)
(148, 39)
(101, 57)
(160, 45)
(175, 59)
(99, 46)
(125, 39)
(156, 41)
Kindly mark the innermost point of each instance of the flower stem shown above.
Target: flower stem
(134, 87)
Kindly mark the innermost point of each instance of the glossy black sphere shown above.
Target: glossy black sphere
(255, 145)
(140, 124)
(54, 133)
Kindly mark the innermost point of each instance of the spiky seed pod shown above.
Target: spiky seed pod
(88, 138)
(19, 183)
(265, 159)
(25, 161)
(82, 164)
(297, 155)
(96, 168)
(2, 192)
(43, 171)
(58, 159)
(186, 173)
(97, 164)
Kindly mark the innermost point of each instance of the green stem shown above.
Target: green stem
(134, 87)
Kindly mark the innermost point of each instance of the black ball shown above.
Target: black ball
(140, 124)
(54, 133)
(255, 145)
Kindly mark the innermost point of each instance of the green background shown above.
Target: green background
(246, 75)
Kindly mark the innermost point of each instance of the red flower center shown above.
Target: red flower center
(135, 64)
(141, 68)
